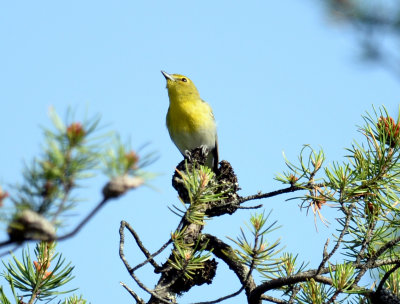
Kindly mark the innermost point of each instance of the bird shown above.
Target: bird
(190, 120)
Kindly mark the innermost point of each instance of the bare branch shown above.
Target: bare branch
(371, 261)
(327, 256)
(278, 192)
(387, 246)
(121, 248)
(132, 293)
(152, 292)
(221, 250)
(269, 194)
(139, 243)
(366, 241)
(222, 298)
(6, 243)
(124, 260)
(272, 299)
(84, 221)
(284, 281)
(386, 276)
(252, 207)
(243, 284)
(295, 289)
(69, 234)
(152, 256)
(257, 292)
(389, 261)
(225, 252)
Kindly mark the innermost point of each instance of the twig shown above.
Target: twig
(269, 194)
(121, 248)
(324, 254)
(222, 298)
(84, 221)
(371, 227)
(251, 207)
(373, 258)
(222, 250)
(6, 243)
(128, 267)
(139, 243)
(173, 281)
(69, 234)
(11, 250)
(334, 296)
(306, 275)
(152, 256)
(62, 205)
(389, 261)
(277, 192)
(386, 276)
(243, 284)
(141, 285)
(156, 253)
(295, 289)
(327, 256)
(132, 293)
(66, 185)
(272, 299)
(279, 282)
(241, 200)
(387, 246)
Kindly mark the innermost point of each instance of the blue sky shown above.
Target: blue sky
(277, 74)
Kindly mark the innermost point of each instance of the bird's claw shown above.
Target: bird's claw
(188, 154)
(204, 150)
(197, 153)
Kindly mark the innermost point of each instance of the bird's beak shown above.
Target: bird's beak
(168, 76)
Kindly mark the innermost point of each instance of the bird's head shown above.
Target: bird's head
(180, 86)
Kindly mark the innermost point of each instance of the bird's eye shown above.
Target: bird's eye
(184, 79)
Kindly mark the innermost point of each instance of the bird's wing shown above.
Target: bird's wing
(215, 155)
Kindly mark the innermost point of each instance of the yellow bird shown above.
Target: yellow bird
(190, 120)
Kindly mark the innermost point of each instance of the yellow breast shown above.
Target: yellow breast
(189, 117)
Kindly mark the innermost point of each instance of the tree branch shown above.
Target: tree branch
(257, 292)
(147, 254)
(128, 267)
(132, 293)
(84, 221)
(152, 256)
(270, 194)
(6, 243)
(234, 294)
(327, 256)
(374, 257)
(386, 276)
(272, 299)
(279, 282)
(251, 207)
(225, 252)
(368, 235)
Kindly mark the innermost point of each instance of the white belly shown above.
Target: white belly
(185, 141)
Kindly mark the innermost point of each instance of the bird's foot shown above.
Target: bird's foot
(198, 155)
(188, 154)
(204, 150)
